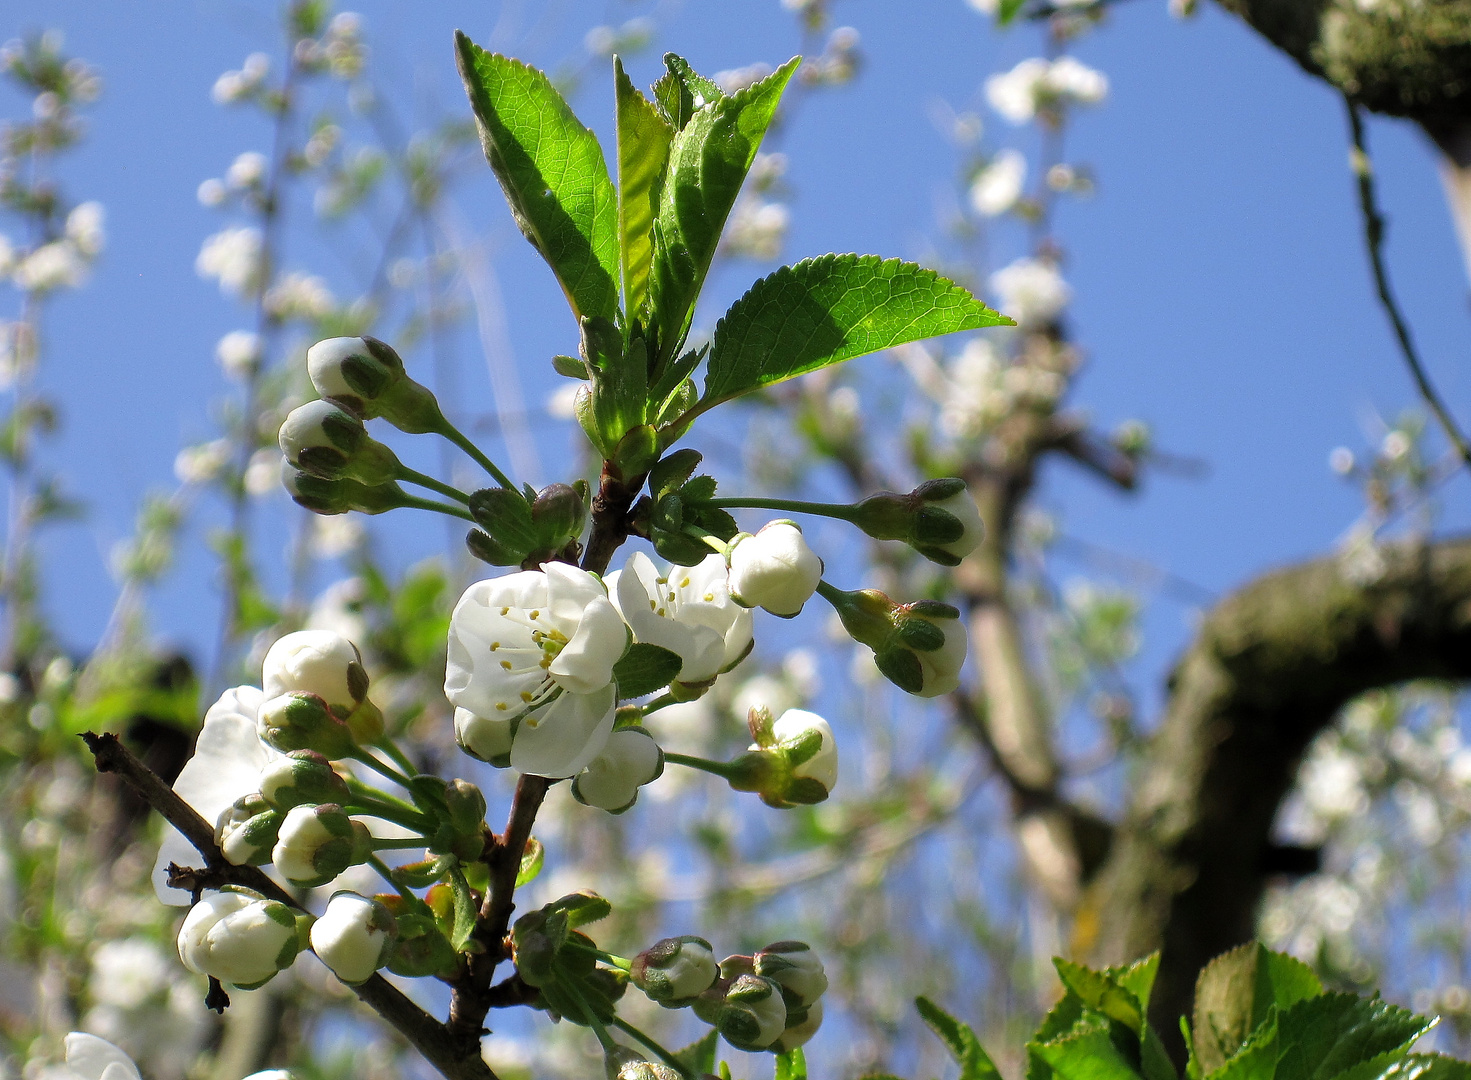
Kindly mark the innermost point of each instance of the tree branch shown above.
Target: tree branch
(1268, 671)
(427, 1035)
(1374, 241)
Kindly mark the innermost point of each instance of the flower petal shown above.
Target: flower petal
(585, 664)
(91, 1057)
(559, 740)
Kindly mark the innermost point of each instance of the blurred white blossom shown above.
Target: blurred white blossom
(1031, 291)
(299, 296)
(999, 185)
(248, 170)
(52, 266)
(1036, 84)
(202, 463)
(239, 353)
(233, 256)
(84, 229)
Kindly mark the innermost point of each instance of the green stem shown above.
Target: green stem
(663, 1054)
(398, 845)
(658, 703)
(841, 511)
(452, 433)
(387, 874)
(604, 1039)
(718, 768)
(413, 476)
(368, 794)
(831, 593)
(438, 507)
(622, 963)
(383, 769)
(389, 747)
(409, 819)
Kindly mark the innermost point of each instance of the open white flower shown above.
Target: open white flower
(227, 762)
(538, 648)
(685, 609)
(1031, 291)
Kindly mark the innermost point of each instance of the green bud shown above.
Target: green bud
(558, 514)
(569, 366)
(316, 843)
(938, 519)
(323, 496)
(489, 550)
(636, 452)
(536, 939)
(421, 950)
(325, 440)
(675, 971)
(302, 776)
(304, 722)
(752, 1015)
(367, 378)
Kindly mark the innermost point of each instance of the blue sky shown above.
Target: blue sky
(1222, 292)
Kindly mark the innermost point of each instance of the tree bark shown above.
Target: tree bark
(1268, 671)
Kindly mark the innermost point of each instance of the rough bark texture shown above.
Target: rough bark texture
(1269, 669)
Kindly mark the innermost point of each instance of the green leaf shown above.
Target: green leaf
(680, 92)
(960, 1039)
(643, 152)
(830, 309)
(1424, 1067)
(644, 669)
(1101, 993)
(1138, 977)
(1234, 993)
(708, 161)
(792, 1065)
(552, 171)
(465, 909)
(531, 862)
(1088, 1054)
(1008, 10)
(699, 1056)
(1154, 1059)
(1324, 1036)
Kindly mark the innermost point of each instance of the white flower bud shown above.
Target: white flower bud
(246, 831)
(963, 508)
(807, 740)
(316, 843)
(940, 668)
(238, 937)
(353, 936)
(316, 662)
(354, 371)
(794, 967)
(774, 569)
(271, 1074)
(800, 1033)
(675, 970)
(485, 737)
(91, 1058)
(753, 1015)
(302, 776)
(629, 760)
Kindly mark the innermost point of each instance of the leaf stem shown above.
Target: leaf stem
(658, 703)
(689, 761)
(413, 476)
(663, 1054)
(622, 963)
(453, 434)
(604, 1039)
(439, 508)
(398, 845)
(383, 769)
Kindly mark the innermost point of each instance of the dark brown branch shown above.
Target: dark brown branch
(427, 1035)
(1269, 669)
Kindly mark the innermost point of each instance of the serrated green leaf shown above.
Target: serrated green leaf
(645, 668)
(531, 862)
(552, 171)
(826, 310)
(1422, 1067)
(960, 1040)
(791, 1065)
(708, 161)
(1324, 1036)
(1087, 1054)
(1257, 1057)
(680, 92)
(699, 1056)
(1234, 993)
(1101, 993)
(643, 152)
(1138, 977)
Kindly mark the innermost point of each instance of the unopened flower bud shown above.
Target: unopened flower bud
(326, 440)
(938, 519)
(920, 646)
(794, 967)
(801, 1030)
(353, 936)
(559, 513)
(367, 378)
(247, 829)
(466, 806)
(485, 737)
(303, 722)
(421, 949)
(238, 937)
(317, 662)
(329, 497)
(675, 971)
(629, 760)
(774, 569)
(316, 843)
(752, 1015)
(302, 776)
(792, 761)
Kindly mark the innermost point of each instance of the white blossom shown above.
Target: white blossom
(239, 938)
(1035, 83)
(202, 463)
(629, 760)
(794, 727)
(126, 973)
(774, 569)
(675, 969)
(800, 1034)
(91, 1058)
(227, 762)
(963, 508)
(299, 296)
(685, 609)
(84, 229)
(52, 266)
(234, 257)
(212, 192)
(248, 170)
(239, 353)
(538, 647)
(486, 737)
(998, 186)
(1031, 291)
(352, 936)
(1071, 80)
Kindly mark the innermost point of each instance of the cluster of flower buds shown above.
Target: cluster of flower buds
(515, 532)
(793, 761)
(676, 512)
(920, 646)
(774, 569)
(316, 690)
(769, 1001)
(938, 519)
(554, 956)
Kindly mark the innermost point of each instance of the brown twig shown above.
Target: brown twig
(427, 1035)
(1374, 241)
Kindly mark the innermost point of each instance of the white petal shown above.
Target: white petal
(91, 1057)
(701, 648)
(585, 664)
(559, 740)
(569, 591)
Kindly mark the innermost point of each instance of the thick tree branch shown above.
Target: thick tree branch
(1269, 669)
(427, 1035)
